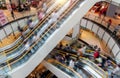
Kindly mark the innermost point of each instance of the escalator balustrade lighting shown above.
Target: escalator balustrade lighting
(61, 1)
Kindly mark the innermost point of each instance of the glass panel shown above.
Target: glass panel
(111, 43)
(106, 37)
(95, 28)
(8, 29)
(2, 35)
(83, 22)
(100, 32)
(115, 49)
(89, 25)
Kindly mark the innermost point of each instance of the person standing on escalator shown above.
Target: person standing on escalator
(116, 72)
(41, 14)
(71, 64)
(44, 6)
(96, 54)
(54, 18)
(67, 58)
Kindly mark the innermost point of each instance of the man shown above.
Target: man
(12, 14)
(96, 54)
(109, 23)
(27, 45)
(54, 16)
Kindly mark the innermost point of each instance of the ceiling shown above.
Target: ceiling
(117, 1)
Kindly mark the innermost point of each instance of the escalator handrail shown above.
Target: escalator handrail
(17, 40)
(85, 59)
(71, 69)
(30, 47)
(45, 32)
(35, 42)
(33, 45)
(30, 34)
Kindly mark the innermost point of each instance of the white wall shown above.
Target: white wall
(76, 30)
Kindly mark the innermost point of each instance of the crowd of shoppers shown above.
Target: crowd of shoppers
(104, 62)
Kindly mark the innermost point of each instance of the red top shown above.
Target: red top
(96, 54)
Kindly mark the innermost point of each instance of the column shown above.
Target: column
(76, 31)
(111, 11)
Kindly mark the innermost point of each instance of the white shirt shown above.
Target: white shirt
(54, 17)
(71, 63)
(44, 6)
(32, 24)
(27, 46)
(82, 49)
(117, 70)
(34, 38)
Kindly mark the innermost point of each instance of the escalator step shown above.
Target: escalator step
(32, 50)
(39, 44)
(42, 41)
(48, 34)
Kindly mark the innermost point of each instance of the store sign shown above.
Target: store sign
(3, 19)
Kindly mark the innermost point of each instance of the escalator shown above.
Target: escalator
(49, 38)
(17, 45)
(13, 53)
(87, 65)
(58, 68)
(83, 68)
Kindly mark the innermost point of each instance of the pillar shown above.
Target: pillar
(76, 31)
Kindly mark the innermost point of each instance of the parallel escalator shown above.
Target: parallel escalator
(85, 64)
(67, 71)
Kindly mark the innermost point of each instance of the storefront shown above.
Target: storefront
(2, 4)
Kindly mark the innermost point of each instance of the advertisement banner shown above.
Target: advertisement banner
(3, 19)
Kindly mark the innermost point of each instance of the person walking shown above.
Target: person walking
(12, 14)
(116, 29)
(109, 23)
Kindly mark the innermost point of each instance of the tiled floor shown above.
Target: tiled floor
(9, 40)
(92, 39)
